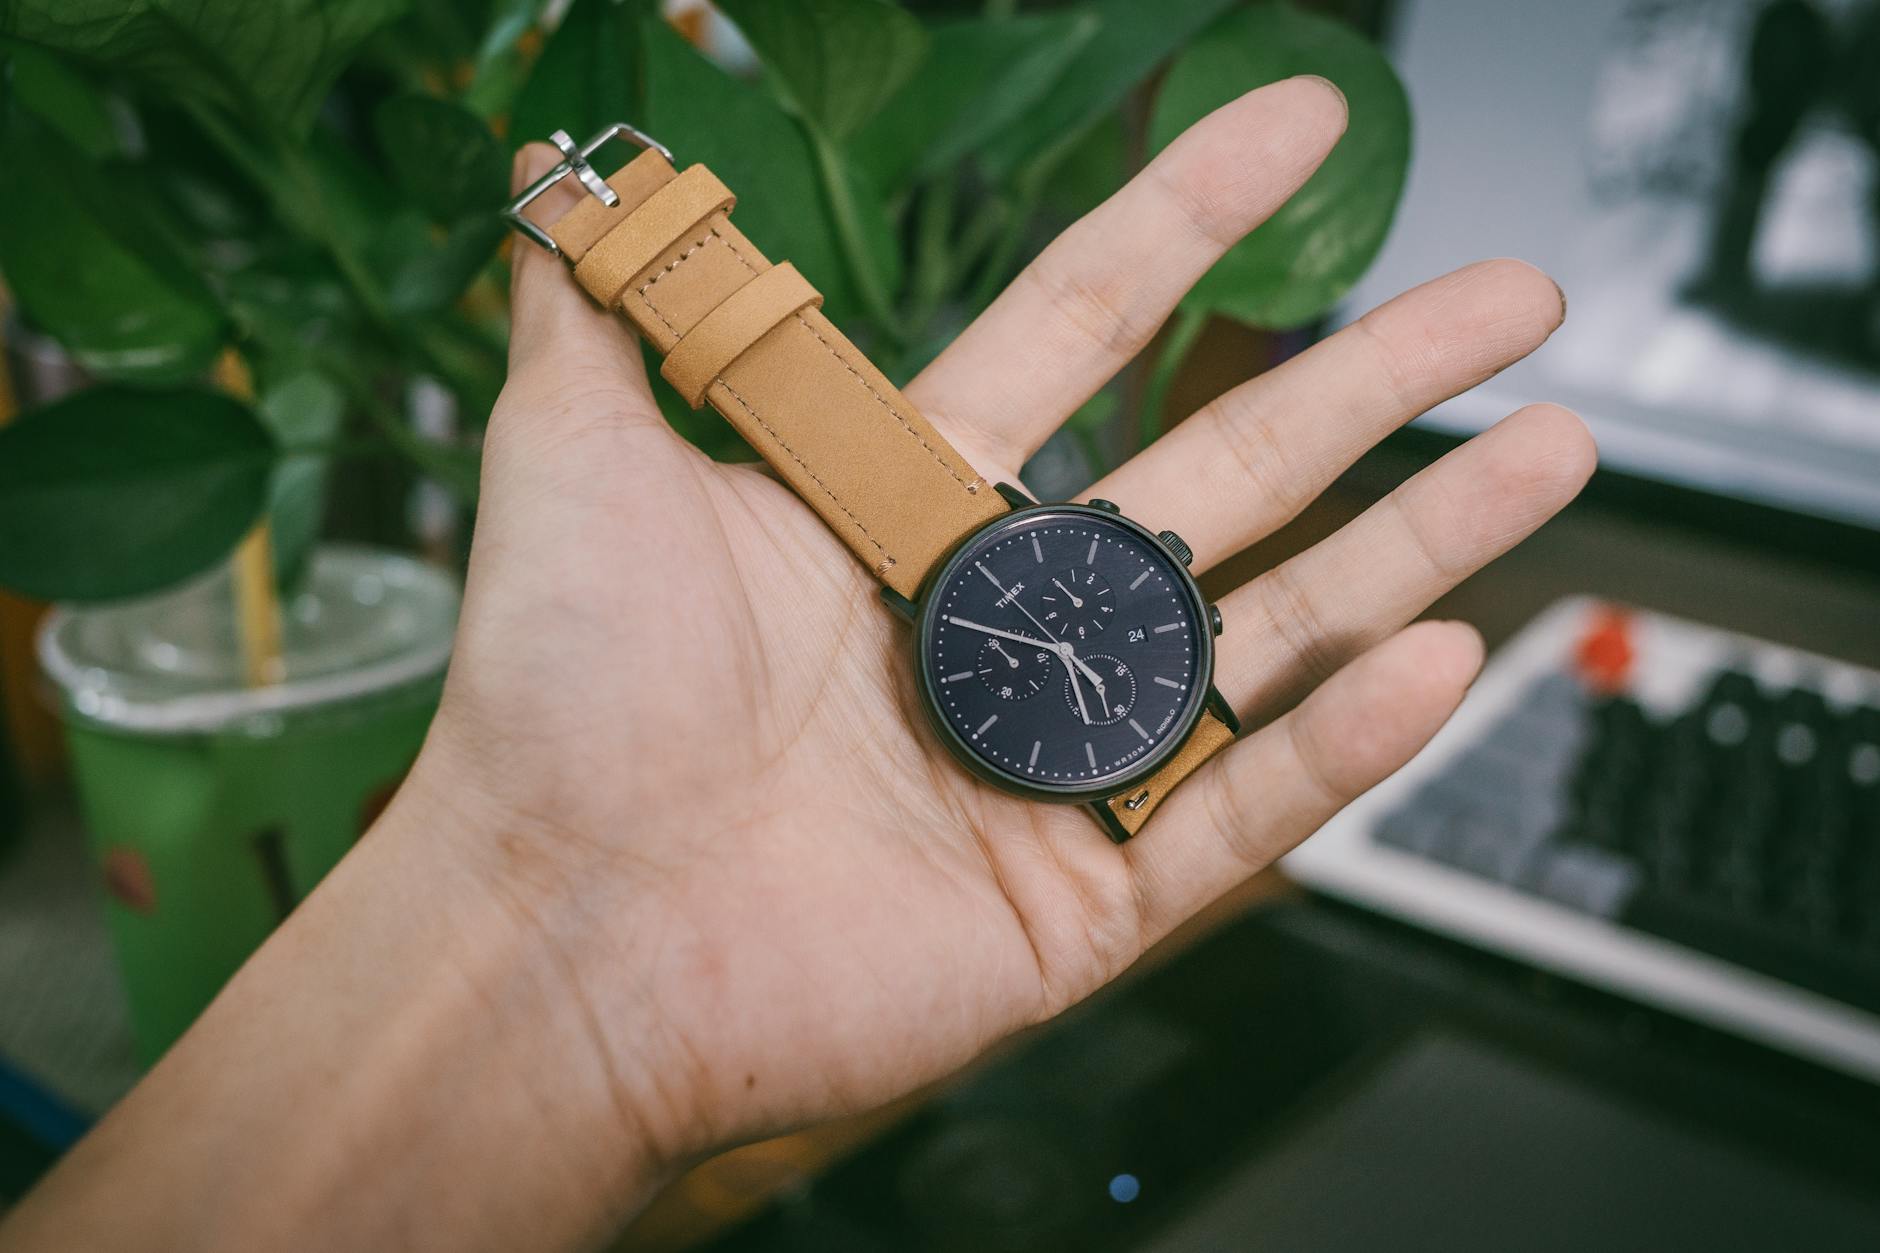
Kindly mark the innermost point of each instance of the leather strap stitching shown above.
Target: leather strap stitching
(669, 268)
(733, 327)
(972, 488)
(673, 210)
(887, 559)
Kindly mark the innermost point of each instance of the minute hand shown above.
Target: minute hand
(1064, 649)
(1033, 640)
(1090, 674)
(1014, 601)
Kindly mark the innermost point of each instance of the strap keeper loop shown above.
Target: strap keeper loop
(728, 331)
(659, 222)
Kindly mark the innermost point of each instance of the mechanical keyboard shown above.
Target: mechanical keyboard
(1679, 813)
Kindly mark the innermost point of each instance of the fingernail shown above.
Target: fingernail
(1332, 87)
(1563, 296)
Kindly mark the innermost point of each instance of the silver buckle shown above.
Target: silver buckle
(575, 161)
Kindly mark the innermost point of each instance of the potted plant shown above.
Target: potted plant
(264, 229)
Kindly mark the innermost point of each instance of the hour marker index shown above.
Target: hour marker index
(1168, 626)
(1168, 683)
(1139, 578)
(1035, 746)
(1090, 558)
(955, 678)
(1036, 550)
(982, 726)
(1089, 751)
(1137, 728)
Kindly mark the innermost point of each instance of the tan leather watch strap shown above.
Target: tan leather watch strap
(750, 338)
(1210, 736)
(756, 346)
(727, 332)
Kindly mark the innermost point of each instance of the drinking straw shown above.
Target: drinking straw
(257, 600)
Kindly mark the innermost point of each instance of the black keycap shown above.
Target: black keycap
(1837, 970)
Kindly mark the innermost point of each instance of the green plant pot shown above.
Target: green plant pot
(213, 808)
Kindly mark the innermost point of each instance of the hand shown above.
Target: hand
(775, 861)
(1063, 651)
(1034, 641)
(1016, 603)
(1077, 602)
(663, 878)
(773, 895)
(1083, 710)
(1096, 681)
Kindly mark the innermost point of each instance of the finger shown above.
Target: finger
(1095, 296)
(557, 335)
(1263, 795)
(1314, 613)
(1247, 463)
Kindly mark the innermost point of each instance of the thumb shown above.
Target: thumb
(556, 332)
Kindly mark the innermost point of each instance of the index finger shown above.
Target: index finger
(1096, 296)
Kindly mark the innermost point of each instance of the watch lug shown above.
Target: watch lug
(904, 608)
(1014, 496)
(1100, 810)
(1218, 706)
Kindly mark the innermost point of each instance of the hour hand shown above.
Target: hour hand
(1071, 656)
(1078, 692)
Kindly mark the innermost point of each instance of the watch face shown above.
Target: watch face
(1063, 652)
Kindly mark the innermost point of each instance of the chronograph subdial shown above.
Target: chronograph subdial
(1013, 671)
(1117, 698)
(1077, 603)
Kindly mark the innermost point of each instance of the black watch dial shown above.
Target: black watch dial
(1064, 652)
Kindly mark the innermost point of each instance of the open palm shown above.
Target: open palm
(717, 800)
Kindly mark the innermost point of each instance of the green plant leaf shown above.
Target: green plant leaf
(1131, 41)
(61, 98)
(1090, 170)
(1096, 413)
(839, 60)
(90, 270)
(270, 62)
(591, 74)
(426, 268)
(304, 410)
(979, 77)
(1300, 261)
(112, 492)
(291, 308)
(501, 64)
(441, 156)
(704, 114)
(506, 23)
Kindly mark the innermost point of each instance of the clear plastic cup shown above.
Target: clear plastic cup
(212, 808)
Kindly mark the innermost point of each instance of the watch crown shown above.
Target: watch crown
(1214, 619)
(1108, 506)
(1177, 545)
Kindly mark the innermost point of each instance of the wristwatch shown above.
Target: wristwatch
(1063, 652)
